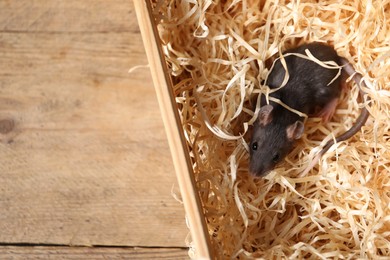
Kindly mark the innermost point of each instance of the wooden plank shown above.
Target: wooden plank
(83, 155)
(60, 16)
(79, 253)
(172, 123)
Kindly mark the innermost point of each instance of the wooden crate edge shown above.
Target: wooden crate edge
(181, 160)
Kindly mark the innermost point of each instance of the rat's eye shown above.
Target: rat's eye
(254, 146)
(276, 158)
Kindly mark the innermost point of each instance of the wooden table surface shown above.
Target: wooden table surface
(85, 170)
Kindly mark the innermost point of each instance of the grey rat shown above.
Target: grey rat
(310, 87)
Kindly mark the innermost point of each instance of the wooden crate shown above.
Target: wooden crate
(366, 171)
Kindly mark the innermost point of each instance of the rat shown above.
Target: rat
(310, 87)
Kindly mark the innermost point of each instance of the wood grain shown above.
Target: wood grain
(58, 16)
(79, 253)
(83, 154)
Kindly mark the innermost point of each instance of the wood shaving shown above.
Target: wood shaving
(216, 53)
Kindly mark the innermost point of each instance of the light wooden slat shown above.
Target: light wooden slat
(59, 16)
(180, 153)
(90, 253)
(85, 159)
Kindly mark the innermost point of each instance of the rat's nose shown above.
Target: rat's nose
(256, 171)
(259, 172)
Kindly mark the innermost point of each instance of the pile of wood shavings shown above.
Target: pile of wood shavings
(216, 53)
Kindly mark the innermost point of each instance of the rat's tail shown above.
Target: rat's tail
(361, 120)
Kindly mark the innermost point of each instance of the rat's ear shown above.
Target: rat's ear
(265, 115)
(295, 130)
